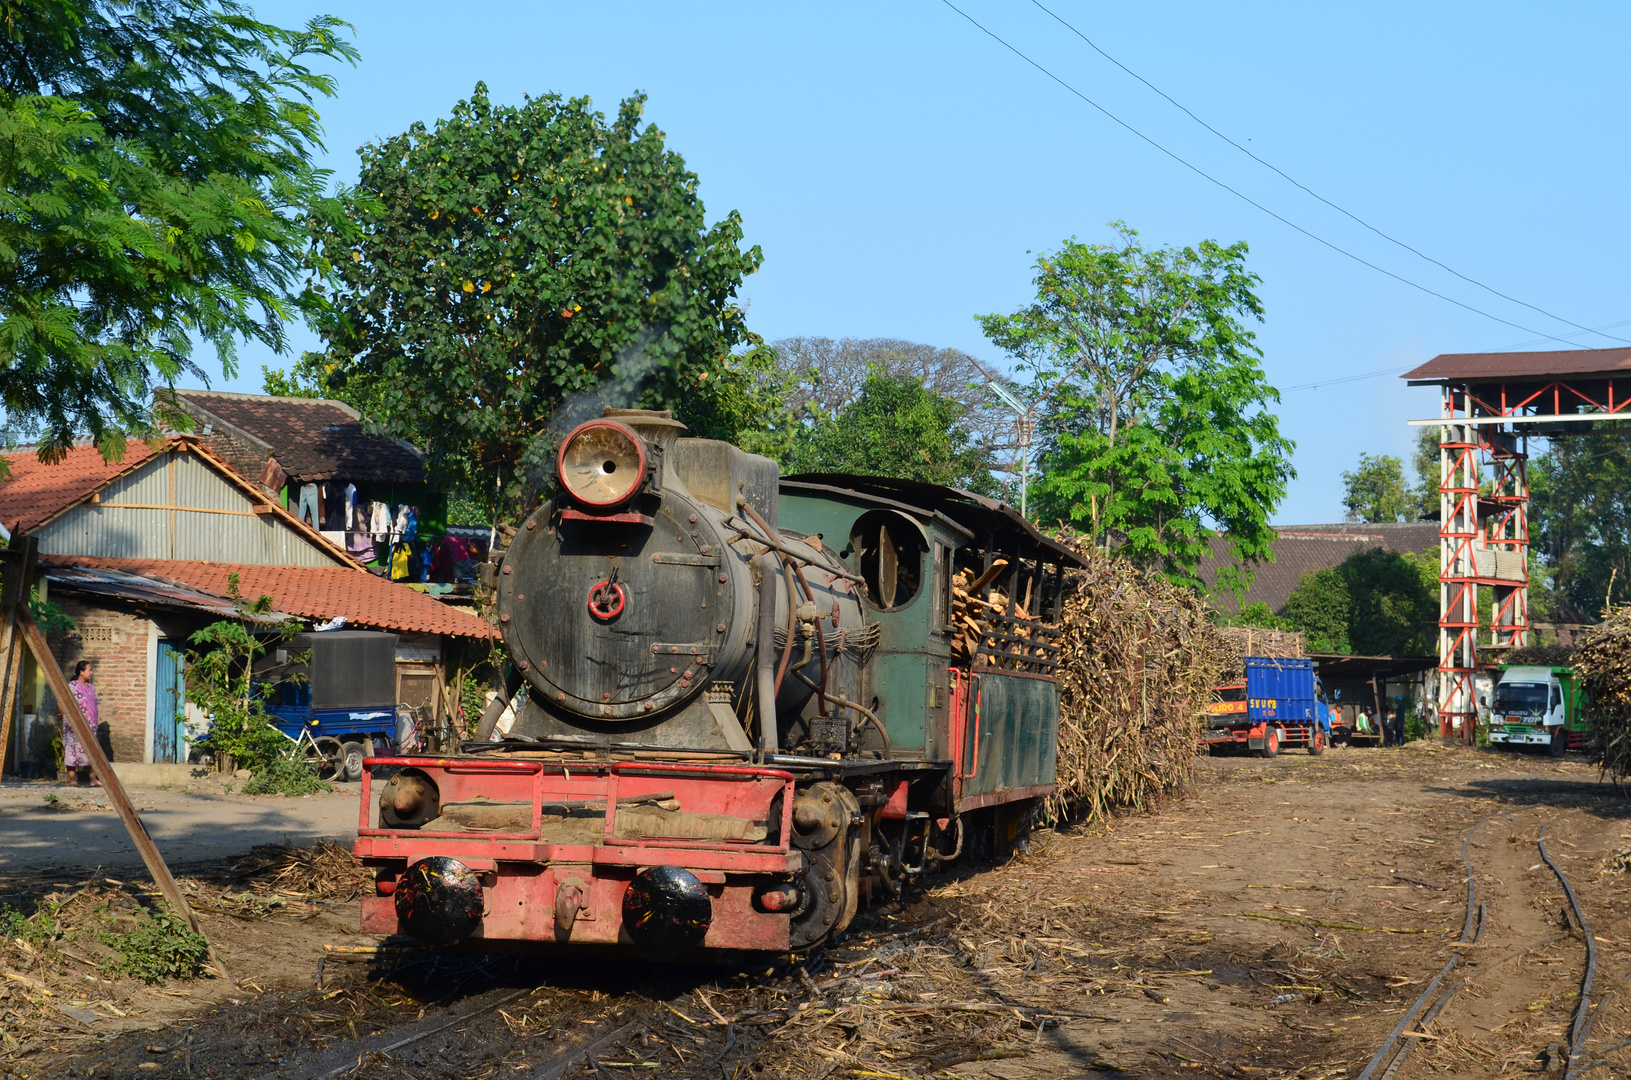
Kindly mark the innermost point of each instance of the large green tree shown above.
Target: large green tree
(1580, 519)
(1159, 427)
(158, 182)
(896, 427)
(1375, 490)
(509, 270)
(1374, 603)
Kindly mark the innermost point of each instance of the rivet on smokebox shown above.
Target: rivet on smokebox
(508, 568)
(531, 525)
(504, 618)
(722, 579)
(693, 519)
(524, 665)
(720, 628)
(560, 697)
(648, 705)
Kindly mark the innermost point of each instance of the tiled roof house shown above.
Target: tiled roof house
(141, 553)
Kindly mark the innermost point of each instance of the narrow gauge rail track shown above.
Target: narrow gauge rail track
(1390, 1058)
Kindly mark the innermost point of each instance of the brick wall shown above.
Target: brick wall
(116, 642)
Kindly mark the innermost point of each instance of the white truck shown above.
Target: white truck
(1537, 706)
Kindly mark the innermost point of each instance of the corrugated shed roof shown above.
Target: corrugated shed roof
(312, 438)
(1522, 366)
(37, 491)
(145, 590)
(318, 592)
(1302, 548)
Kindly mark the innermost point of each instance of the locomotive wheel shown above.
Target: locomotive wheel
(822, 817)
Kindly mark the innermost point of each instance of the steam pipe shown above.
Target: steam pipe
(792, 606)
(765, 663)
(821, 639)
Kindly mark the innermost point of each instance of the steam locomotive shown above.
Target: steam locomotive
(751, 704)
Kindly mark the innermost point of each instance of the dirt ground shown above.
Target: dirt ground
(47, 825)
(1275, 924)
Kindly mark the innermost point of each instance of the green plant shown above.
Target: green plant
(221, 682)
(286, 774)
(48, 616)
(160, 946)
(1414, 726)
(38, 930)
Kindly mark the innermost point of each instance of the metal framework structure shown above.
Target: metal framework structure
(1490, 404)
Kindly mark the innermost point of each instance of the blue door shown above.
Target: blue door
(169, 703)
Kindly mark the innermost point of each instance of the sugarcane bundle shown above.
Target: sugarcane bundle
(1602, 662)
(1138, 662)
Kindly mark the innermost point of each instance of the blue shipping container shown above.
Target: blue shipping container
(1280, 690)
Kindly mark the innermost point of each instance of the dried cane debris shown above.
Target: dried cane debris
(1138, 659)
(1602, 660)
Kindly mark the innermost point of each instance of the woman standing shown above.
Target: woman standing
(73, 754)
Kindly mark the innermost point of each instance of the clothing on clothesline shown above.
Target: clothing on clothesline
(308, 511)
(352, 522)
(379, 522)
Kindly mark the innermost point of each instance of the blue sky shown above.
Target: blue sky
(901, 169)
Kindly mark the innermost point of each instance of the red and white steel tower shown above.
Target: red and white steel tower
(1490, 404)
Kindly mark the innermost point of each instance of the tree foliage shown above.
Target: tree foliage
(156, 157)
(1375, 491)
(1425, 461)
(1375, 602)
(1580, 517)
(510, 269)
(821, 377)
(1159, 429)
(896, 427)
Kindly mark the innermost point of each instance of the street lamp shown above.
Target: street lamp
(1024, 422)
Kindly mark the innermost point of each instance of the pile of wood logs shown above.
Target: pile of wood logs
(986, 634)
(1139, 660)
(1602, 662)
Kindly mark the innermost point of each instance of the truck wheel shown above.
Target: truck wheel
(1271, 742)
(351, 767)
(1316, 745)
(1560, 740)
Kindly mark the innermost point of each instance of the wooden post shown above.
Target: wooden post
(99, 765)
(17, 562)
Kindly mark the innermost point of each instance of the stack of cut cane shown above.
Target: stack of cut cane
(983, 628)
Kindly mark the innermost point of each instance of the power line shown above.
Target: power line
(1348, 378)
(1241, 196)
(1310, 191)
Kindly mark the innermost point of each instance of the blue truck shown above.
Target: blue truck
(1280, 703)
(346, 699)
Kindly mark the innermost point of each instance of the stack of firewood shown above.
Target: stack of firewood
(982, 627)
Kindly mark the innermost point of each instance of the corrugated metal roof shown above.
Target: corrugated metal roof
(146, 590)
(1522, 366)
(179, 502)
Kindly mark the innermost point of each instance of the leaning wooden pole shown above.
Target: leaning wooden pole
(101, 767)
